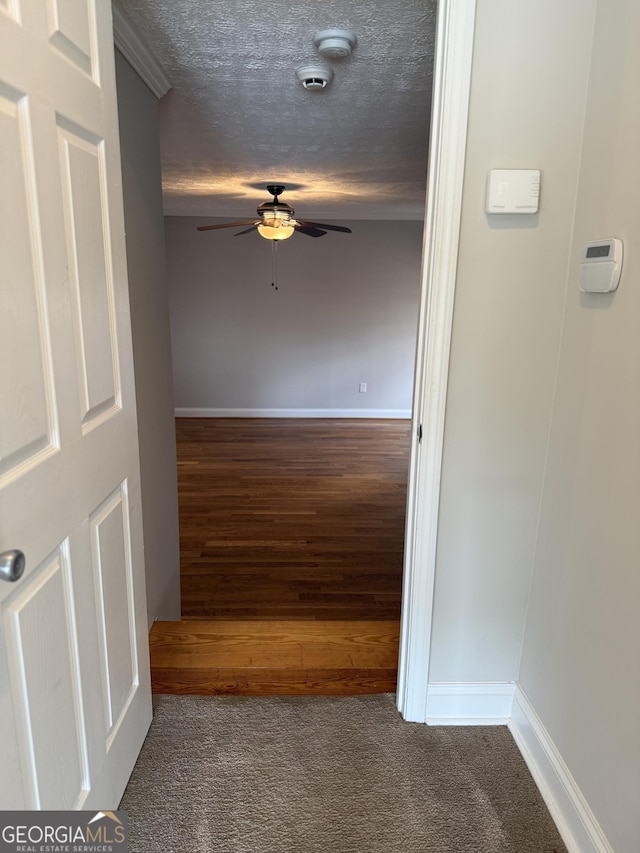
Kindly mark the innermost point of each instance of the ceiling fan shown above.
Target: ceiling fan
(276, 221)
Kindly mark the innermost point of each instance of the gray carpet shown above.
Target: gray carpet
(337, 775)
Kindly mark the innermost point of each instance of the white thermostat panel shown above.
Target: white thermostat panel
(600, 266)
(513, 191)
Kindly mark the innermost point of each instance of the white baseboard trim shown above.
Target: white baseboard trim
(469, 704)
(576, 823)
(293, 413)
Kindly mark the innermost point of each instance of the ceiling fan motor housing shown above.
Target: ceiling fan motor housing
(275, 210)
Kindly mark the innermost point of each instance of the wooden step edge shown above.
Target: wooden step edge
(275, 645)
(289, 682)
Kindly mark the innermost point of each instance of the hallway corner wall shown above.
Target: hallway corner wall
(140, 152)
(581, 659)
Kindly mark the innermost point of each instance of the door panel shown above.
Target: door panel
(111, 550)
(75, 699)
(86, 230)
(42, 645)
(70, 28)
(26, 387)
(11, 9)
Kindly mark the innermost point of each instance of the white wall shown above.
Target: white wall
(529, 81)
(139, 144)
(345, 312)
(581, 660)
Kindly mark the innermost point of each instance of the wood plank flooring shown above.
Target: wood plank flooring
(274, 658)
(292, 536)
(291, 519)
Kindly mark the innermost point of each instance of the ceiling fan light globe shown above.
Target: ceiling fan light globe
(276, 231)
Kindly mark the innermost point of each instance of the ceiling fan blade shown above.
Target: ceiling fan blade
(246, 231)
(226, 225)
(308, 230)
(327, 227)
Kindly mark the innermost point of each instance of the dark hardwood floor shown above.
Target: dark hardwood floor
(291, 519)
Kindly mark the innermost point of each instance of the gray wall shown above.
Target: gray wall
(345, 312)
(581, 660)
(139, 142)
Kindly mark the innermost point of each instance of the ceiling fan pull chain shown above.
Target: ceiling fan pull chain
(274, 264)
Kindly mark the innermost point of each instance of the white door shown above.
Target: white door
(74, 672)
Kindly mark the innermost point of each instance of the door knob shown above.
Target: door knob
(12, 565)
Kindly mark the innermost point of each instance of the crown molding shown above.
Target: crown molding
(131, 45)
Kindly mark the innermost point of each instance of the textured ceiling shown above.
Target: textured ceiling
(237, 118)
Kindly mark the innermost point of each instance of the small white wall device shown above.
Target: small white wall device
(600, 266)
(513, 191)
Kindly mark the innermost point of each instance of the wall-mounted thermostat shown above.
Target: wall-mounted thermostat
(600, 266)
(513, 191)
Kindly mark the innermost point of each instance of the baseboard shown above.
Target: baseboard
(398, 414)
(469, 704)
(576, 823)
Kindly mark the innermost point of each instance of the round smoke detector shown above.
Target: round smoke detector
(335, 44)
(314, 77)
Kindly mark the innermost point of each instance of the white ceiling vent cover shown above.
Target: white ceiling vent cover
(335, 44)
(314, 77)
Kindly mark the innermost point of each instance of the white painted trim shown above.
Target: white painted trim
(293, 413)
(452, 81)
(576, 822)
(469, 704)
(130, 44)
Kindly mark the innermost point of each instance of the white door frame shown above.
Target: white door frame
(451, 87)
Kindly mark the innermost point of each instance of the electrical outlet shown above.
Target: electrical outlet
(363, 388)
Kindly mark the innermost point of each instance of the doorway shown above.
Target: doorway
(455, 30)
